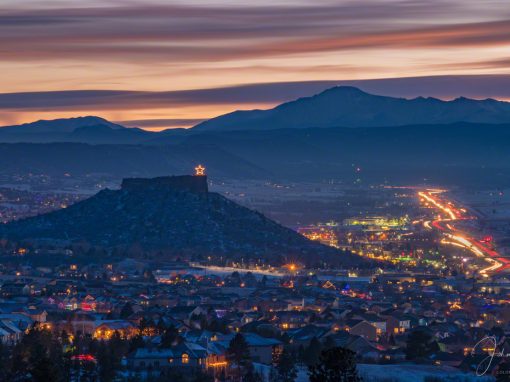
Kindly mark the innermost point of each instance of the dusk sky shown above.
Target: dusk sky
(159, 64)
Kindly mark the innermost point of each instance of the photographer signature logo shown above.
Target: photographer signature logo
(487, 345)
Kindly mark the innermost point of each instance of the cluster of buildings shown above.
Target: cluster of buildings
(372, 315)
(18, 204)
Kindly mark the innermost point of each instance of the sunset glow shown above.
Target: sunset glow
(146, 63)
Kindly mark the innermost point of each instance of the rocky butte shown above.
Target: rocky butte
(170, 217)
(186, 183)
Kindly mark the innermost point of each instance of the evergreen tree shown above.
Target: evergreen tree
(43, 370)
(18, 364)
(301, 353)
(420, 344)
(238, 354)
(273, 375)
(64, 337)
(201, 376)
(40, 355)
(335, 365)
(161, 327)
(253, 376)
(58, 359)
(127, 310)
(169, 337)
(216, 325)
(143, 325)
(135, 343)
(503, 372)
(312, 352)
(118, 346)
(285, 367)
(329, 343)
(3, 362)
(105, 362)
(285, 338)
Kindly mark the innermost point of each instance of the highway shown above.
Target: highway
(447, 215)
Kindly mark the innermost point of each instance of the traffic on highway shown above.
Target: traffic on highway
(448, 215)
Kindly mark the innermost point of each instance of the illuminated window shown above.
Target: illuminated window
(185, 358)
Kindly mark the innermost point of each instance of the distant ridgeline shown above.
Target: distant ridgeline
(189, 183)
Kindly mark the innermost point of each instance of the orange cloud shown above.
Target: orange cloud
(142, 56)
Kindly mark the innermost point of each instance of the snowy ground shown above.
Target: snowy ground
(399, 373)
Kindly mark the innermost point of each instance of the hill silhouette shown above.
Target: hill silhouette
(173, 217)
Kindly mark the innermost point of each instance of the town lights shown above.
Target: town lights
(292, 267)
(217, 364)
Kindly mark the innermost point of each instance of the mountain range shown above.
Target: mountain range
(345, 106)
(172, 217)
(341, 106)
(88, 129)
(327, 136)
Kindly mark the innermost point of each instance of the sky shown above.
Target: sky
(163, 64)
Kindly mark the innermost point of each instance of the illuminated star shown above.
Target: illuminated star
(199, 170)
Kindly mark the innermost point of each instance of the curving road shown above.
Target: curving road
(448, 214)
